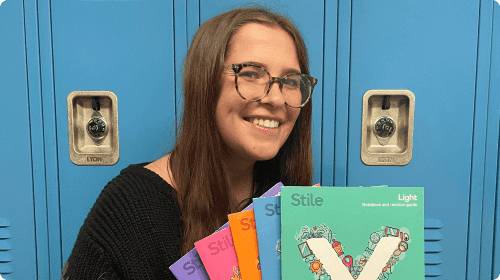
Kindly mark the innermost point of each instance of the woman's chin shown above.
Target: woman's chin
(265, 155)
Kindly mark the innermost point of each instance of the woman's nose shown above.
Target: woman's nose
(274, 95)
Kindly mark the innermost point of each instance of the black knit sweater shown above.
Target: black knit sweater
(134, 230)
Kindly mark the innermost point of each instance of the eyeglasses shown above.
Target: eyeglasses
(253, 83)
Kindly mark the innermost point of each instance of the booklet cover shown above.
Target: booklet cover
(218, 255)
(352, 233)
(267, 213)
(190, 265)
(245, 243)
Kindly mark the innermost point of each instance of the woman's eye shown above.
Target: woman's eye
(250, 74)
(291, 83)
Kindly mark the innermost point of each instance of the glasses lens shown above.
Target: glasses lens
(296, 89)
(252, 82)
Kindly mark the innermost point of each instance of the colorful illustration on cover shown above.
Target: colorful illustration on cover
(236, 273)
(354, 265)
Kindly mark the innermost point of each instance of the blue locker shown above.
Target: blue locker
(435, 50)
(429, 48)
(126, 47)
(21, 145)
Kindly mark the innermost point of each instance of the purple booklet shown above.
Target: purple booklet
(190, 265)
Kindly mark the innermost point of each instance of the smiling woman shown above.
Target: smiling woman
(238, 160)
(246, 126)
(244, 144)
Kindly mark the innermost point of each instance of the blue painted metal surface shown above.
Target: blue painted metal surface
(37, 136)
(329, 81)
(430, 48)
(192, 18)
(19, 159)
(180, 50)
(53, 255)
(479, 257)
(491, 207)
(342, 94)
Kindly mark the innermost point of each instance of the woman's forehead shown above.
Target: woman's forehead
(268, 45)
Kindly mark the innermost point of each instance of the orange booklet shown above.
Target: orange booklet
(245, 243)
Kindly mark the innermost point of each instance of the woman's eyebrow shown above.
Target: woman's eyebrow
(290, 71)
(284, 72)
(255, 63)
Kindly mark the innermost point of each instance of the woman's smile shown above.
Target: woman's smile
(270, 127)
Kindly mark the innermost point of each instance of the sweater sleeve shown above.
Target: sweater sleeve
(134, 231)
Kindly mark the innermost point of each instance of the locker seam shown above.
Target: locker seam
(322, 98)
(336, 94)
(30, 133)
(56, 140)
(175, 65)
(494, 256)
(473, 152)
(472, 149)
(43, 134)
(485, 156)
(186, 17)
(348, 99)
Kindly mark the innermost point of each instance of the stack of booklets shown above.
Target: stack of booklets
(214, 257)
(336, 233)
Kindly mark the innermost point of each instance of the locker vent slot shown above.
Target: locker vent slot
(433, 248)
(5, 247)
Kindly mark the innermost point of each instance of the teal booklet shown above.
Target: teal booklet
(268, 224)
(345, 233)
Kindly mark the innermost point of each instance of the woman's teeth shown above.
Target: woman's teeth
(265, 123)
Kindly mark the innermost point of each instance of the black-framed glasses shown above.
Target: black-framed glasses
(253, 83)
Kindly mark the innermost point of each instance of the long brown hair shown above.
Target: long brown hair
(204, 194)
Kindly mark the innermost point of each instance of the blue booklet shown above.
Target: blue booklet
(267, 213)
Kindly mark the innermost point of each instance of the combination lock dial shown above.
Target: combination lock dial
(385, 127)
(96, 128)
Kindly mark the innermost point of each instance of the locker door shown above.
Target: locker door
(430, 48)
(126, 47)
(309, 19)
(20, 142)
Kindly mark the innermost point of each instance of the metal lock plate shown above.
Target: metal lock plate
(387, 127)
(93, 127)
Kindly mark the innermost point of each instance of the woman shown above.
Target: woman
(246, 126)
